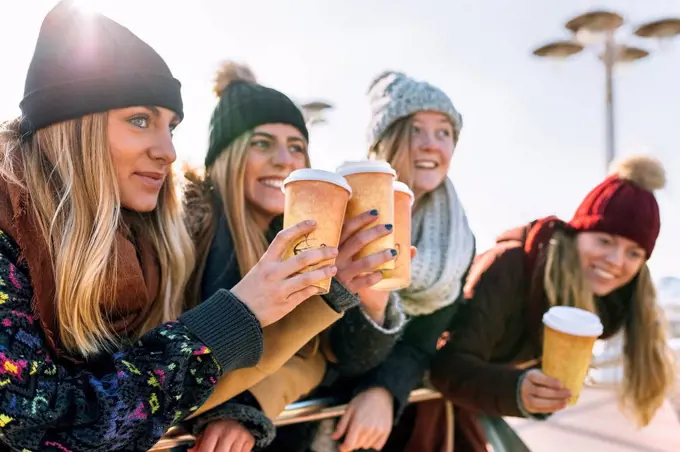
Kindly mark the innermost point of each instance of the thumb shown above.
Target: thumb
(469, 290)
(341, 428)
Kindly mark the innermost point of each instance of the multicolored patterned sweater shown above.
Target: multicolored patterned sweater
(121, 402)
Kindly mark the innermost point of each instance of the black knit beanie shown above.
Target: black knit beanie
(243, 105)
(86, 63)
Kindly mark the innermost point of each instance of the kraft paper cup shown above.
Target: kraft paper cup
(400, 277)
(372, 188)
(321, 196)
(568, 340)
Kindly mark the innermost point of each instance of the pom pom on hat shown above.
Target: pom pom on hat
(230, 72)
(382, 76)
(644, 171)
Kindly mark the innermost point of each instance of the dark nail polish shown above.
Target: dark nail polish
(393, 251)
(374, 212)
(388, 227)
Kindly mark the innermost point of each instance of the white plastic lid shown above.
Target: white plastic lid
(575, 321)
(366, 166)
(403, 188)
(317, 175)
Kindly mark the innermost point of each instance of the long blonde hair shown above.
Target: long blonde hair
(226, 177)
(70, 177)
(649, 371)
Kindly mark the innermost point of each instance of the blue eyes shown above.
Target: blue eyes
(139, 121)
(143, 122)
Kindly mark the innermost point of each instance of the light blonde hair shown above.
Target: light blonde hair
(394, 147)
(648, 361)
(70, 177)
(222, 187)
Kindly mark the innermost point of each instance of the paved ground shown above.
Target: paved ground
(596, 424)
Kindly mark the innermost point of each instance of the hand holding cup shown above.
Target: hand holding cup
(354, 272)
(274, 287)
(543, 394)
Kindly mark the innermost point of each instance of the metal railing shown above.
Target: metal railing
(330, 407)
(327, 408)
(295, 413)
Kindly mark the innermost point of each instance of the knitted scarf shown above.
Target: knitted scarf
(137, 279)
(445, 249)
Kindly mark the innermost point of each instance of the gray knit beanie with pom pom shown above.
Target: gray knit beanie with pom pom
(394, 95)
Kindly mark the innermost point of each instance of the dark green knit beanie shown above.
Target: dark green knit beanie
(243, 105)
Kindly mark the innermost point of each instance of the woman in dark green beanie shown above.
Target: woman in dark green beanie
(258, 136)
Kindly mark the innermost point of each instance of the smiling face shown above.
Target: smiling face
(608, 261)
(140, 143)
(274, 151)
(432, 145)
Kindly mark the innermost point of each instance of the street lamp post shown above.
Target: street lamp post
(601, 27)
(314, 112)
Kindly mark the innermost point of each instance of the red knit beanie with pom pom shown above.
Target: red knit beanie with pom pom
(624, 204)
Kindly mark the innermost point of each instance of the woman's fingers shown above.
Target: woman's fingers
(364, 282)
(539, 405)
(538, 378)
(303, 283)
(305, 259)
(543, 392)
(341, 428)
(357, 242)
(371, 262)
(350, 227)
(286, 238)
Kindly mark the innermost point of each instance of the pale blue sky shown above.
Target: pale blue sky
(533, 140)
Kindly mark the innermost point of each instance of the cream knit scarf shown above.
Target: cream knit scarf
(445, 249)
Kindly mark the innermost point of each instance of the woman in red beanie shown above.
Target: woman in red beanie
(597, 261)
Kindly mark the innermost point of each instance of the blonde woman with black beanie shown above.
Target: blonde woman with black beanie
(94, 255)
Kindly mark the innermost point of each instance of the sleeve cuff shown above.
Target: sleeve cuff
(228, 328)
(520, 405)
(395, 319)
(339, 298)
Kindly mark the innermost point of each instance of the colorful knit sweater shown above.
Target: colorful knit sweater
(121, 402)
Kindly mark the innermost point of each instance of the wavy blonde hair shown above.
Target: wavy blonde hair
(70, 177)
(649, 371)
(222, 186)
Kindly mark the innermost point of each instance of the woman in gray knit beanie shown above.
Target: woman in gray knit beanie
(415, 127)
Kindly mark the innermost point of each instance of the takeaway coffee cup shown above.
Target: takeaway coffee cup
(372, 188)
(400, 277)
(321, 196)
(568, 340)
